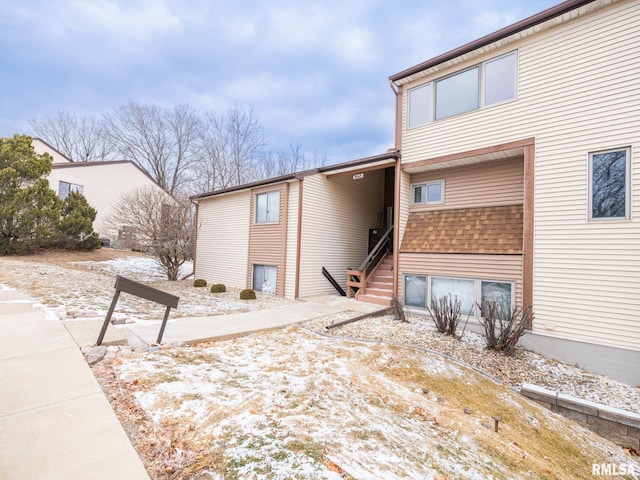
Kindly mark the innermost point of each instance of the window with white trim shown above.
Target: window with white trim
(487, 83)
(470, 292)
(264, 278)
(64, 188)
(427, 193)
(268, 207)
(609, 174)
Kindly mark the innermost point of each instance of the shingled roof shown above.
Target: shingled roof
(486, 230)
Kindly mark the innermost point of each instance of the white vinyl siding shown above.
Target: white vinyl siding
(577, 93)
(223, 239)
(337, 214)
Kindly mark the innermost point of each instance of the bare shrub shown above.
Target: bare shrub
(446, 314)
(397, 310)
(502, 326)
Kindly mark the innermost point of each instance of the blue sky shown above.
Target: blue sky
(315, 71)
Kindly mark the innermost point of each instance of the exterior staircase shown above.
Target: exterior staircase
(379, 285)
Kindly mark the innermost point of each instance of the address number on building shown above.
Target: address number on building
(358, 176)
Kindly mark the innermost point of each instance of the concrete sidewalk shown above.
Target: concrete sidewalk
(55, 422)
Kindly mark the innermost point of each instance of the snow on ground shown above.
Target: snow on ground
(294, 405)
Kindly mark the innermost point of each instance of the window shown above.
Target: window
(488, 83)
(268, 207)
(64, 188)
(609, 184)
(264, 278)
(457, 94)
(420, 105)
(500, 79)
(415, 290)
(470, 292)
(426, 193)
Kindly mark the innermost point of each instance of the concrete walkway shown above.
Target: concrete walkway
(55, 421)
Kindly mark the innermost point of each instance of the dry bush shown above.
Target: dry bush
(503, 327)
(446, 315)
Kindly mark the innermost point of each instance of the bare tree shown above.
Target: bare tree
(161, 141)
(232, 149)
(149, 220)
(78, 137)
(292, 160)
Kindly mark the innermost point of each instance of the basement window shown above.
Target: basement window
(264, 278)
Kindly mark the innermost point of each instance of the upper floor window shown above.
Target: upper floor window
(488, 83)
(268, 207)
(426, 193)
(64, 188)
(609, 184)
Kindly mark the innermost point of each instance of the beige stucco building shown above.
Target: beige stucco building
(102, 183)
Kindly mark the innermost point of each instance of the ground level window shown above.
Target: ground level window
(264, 278)
(415, 290)
(462, 289)
(470, 292)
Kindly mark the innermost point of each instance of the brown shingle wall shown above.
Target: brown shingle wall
(487, 230)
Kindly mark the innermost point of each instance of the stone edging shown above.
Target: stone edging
(615, 424)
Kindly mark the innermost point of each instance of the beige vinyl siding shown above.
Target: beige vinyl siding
(405, 197)
(223, 239)
(480, 185)
(267, 242)
(577, 93)
(484, 267)
(337, 214)
(292, 240)
(103, 185)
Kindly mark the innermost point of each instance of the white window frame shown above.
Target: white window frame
(268, 195)
(481, 91)
(627, 186)
(425, 185)
(477, 289)
(264, 266)
(73, 187)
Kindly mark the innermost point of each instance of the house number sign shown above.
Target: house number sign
(358, 176)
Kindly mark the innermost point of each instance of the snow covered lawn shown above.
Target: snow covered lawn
(295, 405)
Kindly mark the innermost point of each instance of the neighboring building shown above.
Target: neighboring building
(102, 183)
(520, 179)
(278, 234)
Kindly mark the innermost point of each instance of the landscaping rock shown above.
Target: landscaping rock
(96, 354)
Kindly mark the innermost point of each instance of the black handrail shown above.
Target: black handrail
(377, 252)
(333, 282)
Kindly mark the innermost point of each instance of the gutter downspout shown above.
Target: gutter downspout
(396, 188)
(296, 290)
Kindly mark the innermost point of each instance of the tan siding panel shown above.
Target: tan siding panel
(577, 93)
(223, 239)
(482, 185)
(267, 242)
(337, 215)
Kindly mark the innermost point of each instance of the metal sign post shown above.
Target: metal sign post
(142, 291)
